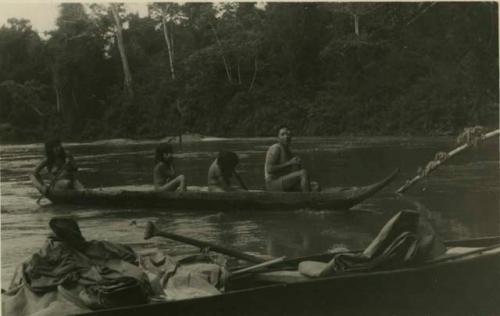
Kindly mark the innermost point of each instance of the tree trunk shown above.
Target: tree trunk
(226, 66)
(356, 24)
(121, 47)
(35, 109)
(239, 73)
(172, 39)
(181, 120)
(75, 101)
(254, 73)
(169, 45)
(55, 85)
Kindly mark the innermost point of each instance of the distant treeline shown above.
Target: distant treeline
(239, 69)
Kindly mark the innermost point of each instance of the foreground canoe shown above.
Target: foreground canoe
(330, 199)
(465, 281)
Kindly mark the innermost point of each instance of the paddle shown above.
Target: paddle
(53, 181)
(240, 180)
(259, 265)
(152, 231)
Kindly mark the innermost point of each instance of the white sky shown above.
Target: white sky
(43, 15)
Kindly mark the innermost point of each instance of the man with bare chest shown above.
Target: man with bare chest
(283, 171)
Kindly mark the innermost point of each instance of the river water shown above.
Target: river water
(461, 197)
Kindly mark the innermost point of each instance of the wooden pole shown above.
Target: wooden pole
(259, 265)
(437, 163)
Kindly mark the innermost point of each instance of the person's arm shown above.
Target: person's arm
(272, 158)
(36, 178)
(172, 169)
(70, 162)
(157, 177)
(39, 168)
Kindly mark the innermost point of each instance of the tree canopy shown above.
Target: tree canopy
(240, 69)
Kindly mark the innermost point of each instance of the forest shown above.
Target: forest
(241, 69)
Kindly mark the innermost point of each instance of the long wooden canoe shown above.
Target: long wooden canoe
(465, 281)
(329, 199)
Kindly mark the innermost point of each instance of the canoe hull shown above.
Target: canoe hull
(467, 285)
(336, 198)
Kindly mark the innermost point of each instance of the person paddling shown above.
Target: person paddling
(61, 169)
(165, 177)
(222, 170)
(283, 170)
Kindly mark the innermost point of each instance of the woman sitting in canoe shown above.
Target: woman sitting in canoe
(164, 175)
(61, 169)
(222, 170)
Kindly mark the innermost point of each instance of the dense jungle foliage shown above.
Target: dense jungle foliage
(240, 69)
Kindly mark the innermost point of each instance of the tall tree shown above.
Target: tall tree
(127, 75)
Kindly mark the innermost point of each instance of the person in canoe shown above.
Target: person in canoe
(222, 170)
(164, 176)
(283, 170)
(60, 167)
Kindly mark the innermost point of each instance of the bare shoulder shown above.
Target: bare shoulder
(158, 167)
(273, 151)
(274, 148)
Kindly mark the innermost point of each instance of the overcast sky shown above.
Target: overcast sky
(43, 15)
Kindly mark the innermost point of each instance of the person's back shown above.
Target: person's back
(221, 171)
(216, 182)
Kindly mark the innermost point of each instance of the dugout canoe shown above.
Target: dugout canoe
(330, 199)
(465, 281)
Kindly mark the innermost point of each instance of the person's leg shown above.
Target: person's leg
(182, 180)
(77, 185)
(292, 181)
(62, 184)
(305, 184)
(215, 188)
(38, 184)
(172, 185)
(274, 185)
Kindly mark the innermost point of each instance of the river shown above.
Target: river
(461, 197)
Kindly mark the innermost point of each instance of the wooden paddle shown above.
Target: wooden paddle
(153, 231)
(240, 180)
(53, 181)
(259, 265)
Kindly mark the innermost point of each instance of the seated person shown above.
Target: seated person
(60, 167)
(283, 171)
(221, 172)
(164, 175)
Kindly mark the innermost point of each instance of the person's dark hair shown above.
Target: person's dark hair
(162, 149)
(280, 127)
(49, 152)
(227, 161)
